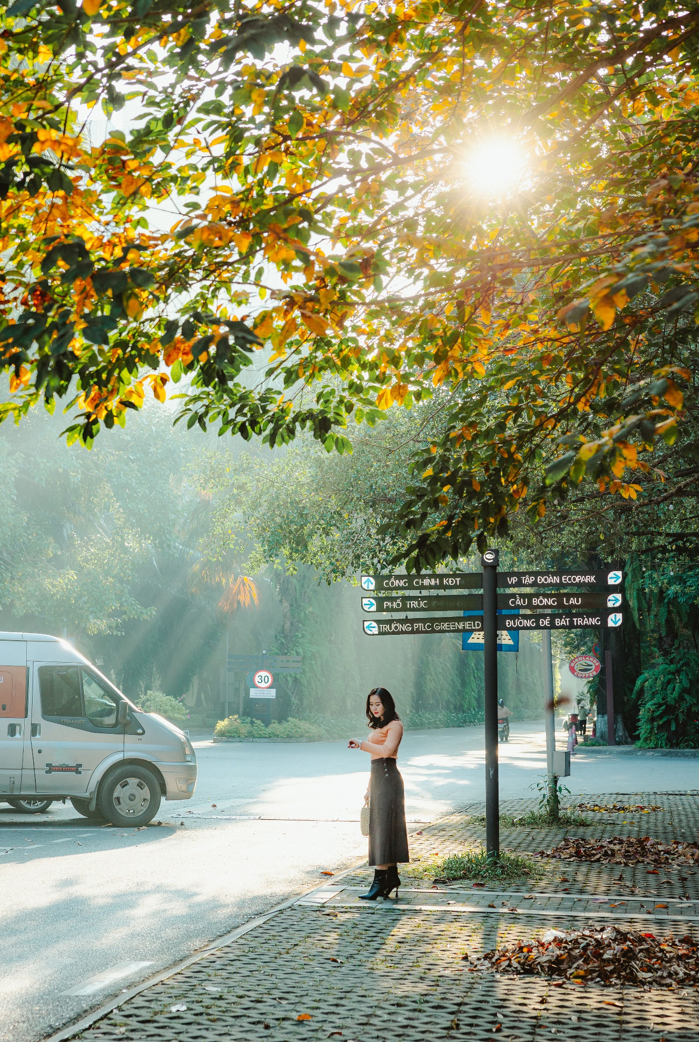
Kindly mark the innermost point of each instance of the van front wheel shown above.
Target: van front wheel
(129, 796)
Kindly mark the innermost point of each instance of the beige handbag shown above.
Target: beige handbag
(364, 819)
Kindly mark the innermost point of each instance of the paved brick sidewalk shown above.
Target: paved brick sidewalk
(394, 970)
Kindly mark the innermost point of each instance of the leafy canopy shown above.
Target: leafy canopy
(295, 181)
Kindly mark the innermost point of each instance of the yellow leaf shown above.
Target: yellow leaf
(479, 368)
(91, 7)
(158, 384)
(599, 287)
(315, 323)
(428, 472)
(674, 395)
(21, 381)
(384, 398)
(604, 311)
(304, 1016)
(588, 450)
(620, 298)
(134, 308)
(618, 466)
(131, 184)
(287, 329)
(476, 485)
(265, 327)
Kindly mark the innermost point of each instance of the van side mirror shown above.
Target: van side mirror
(122, 714)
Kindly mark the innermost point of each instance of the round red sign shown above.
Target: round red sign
(585, 666)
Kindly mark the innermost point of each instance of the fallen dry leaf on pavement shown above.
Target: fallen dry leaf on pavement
(620, 808)
(606, 955)
(624, 850)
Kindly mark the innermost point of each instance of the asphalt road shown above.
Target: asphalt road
(87, 910)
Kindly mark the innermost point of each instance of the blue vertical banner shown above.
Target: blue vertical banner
(507, 641)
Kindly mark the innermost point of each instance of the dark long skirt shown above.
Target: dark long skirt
(388, 836)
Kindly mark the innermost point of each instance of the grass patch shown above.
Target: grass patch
(537, 819)
(476, 865)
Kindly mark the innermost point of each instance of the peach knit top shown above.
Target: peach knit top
(384, 741)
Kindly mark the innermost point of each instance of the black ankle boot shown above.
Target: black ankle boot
(392, 881)
(377, 887)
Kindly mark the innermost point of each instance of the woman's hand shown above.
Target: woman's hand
(366, 797)
(354, 744)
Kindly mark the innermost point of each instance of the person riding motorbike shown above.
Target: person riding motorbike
(503, 721)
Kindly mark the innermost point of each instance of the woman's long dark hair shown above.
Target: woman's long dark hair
(389, 708)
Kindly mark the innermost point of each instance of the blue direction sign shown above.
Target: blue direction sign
(421, 583)
(542, 600)
(558, 579)
(412, 627)
(457, 581)
(506, 623)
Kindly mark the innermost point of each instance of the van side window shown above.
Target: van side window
(100, 705)
(60, 691)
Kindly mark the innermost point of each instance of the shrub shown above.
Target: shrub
(164, 705)
(328, 728)
(286, 730)
(669, 717)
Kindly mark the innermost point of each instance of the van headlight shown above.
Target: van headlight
(188, 750)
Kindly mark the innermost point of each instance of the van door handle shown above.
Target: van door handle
(36, 730)
(13, 730)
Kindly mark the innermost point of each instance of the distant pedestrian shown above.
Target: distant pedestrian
(388, 836)
(572, 738)
(582, 721)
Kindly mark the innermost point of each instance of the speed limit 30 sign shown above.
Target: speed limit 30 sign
(263, 678)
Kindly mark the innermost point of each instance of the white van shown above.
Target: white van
(67, 733)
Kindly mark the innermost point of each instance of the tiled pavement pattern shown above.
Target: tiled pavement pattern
(385, 973)
(679, 819)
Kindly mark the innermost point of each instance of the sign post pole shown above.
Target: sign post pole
(550, 722)
(609, 679)
(490, 683)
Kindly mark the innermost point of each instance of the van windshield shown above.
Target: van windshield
(76, 693)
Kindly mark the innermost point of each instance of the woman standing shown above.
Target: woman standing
(388, 836)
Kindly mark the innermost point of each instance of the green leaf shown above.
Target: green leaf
(559, 467)
(21, 7)
(295, 123)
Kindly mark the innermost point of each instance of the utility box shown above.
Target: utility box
(561, 764)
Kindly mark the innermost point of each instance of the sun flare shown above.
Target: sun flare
(496, 166)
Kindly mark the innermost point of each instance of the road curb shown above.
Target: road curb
(90, 1018)
(631, 750)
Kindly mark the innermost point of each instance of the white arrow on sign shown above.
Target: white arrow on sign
(614, 578)
(614, 600)
(368, 603)
(371, 628)
(368, 582)
(615, 620)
